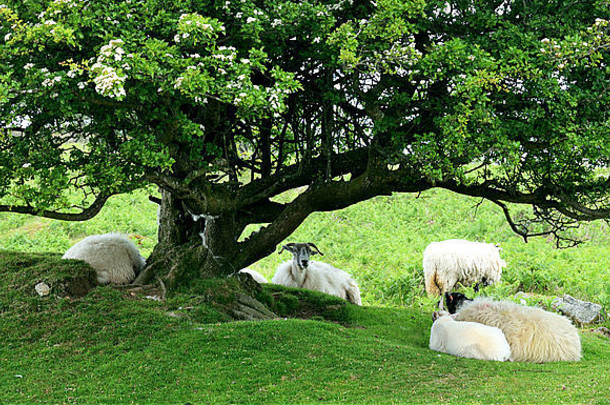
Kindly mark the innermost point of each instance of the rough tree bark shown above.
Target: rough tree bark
(191, 246)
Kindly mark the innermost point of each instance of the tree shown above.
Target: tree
(226, 105)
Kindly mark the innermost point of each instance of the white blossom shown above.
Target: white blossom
(178, 83)
(118, 54)
(28, 66)
(108, 83)
(112, 50)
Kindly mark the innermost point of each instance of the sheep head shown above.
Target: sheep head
(454, 301)
(301, 253)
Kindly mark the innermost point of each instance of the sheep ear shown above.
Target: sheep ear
(289, 247)
(315, 247)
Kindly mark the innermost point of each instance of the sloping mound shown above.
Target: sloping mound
(299, 303)
(21, 272)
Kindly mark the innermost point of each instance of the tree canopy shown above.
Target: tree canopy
(227, 104)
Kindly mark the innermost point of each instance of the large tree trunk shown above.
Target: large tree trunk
(191, 246)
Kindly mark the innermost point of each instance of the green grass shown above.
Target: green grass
(109, 347)
(380, 242)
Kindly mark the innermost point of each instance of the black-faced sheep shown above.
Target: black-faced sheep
(454, 301)
(467, 339)
(455, 261)
(114, 257)
(534, 335)
(300, 272)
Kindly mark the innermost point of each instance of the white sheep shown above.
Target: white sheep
(259, 278)
(114, 257)
(467, 339)
(300, 272)
(455, 261)
(534, 335)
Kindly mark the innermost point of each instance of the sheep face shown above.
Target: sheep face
(301, 252)
(454, 301)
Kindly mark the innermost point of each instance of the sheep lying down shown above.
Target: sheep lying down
(114, 257)
(301, 272)
(467, 339)
(534, 334)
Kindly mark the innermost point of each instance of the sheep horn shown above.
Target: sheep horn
(315, 247)
(287, 247)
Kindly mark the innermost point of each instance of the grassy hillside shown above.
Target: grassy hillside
(110, 346)
(380, 242)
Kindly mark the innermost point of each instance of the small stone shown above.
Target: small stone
(42, 289)
(581, 312)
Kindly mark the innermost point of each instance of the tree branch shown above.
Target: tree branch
(262, 212)
(84, 215)
(295, 176)
(327, 196)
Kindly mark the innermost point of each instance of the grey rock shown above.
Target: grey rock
(581, 312)
(42, 289)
